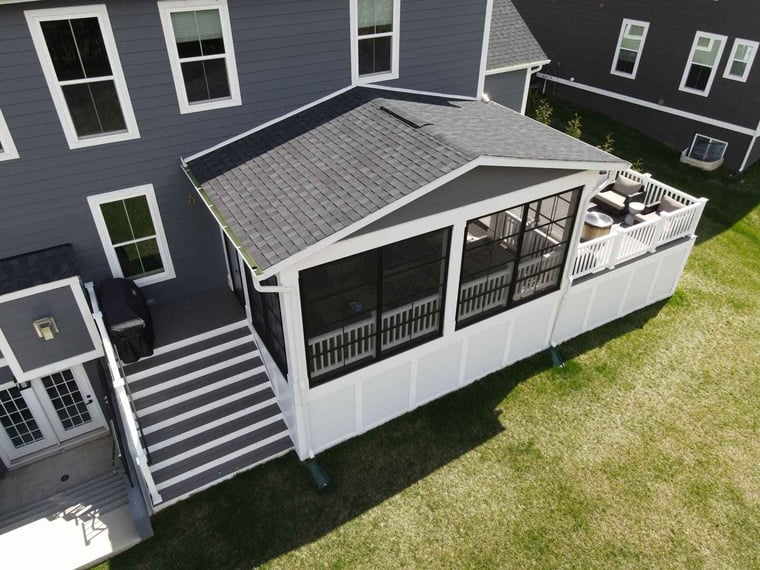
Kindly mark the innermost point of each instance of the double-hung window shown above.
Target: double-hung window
(630, 45)
(199, 42)
(702, 66)
(374, 304)
(78, 55)
(7, 148)
(741, 59)
(132, 234)
(374, 40)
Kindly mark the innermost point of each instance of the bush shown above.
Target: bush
(573, 127)
(638, 165)
(608, 145)
(542, 111)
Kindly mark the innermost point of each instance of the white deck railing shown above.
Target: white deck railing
(123, 406)
(625, 243)
(335, 349)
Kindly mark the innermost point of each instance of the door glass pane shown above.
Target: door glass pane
(17, 420)
(139, 217)
(92, 49)
(67, 400)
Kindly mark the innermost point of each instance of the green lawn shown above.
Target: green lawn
(644, 451)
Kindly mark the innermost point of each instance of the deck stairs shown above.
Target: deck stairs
(207, 411)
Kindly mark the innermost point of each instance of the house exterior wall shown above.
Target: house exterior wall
(507, 88)
(558, 25)
(360, 400)
(288, 54)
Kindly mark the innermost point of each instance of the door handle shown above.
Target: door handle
(89, 399)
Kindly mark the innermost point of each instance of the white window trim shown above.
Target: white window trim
(8, 150)
(712, 140)
(163, 246)
(716, 65)
(165, 9)
(33, 19)
(395, 44)
(738, 42)
(621, 37)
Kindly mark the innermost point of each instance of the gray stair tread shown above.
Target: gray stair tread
(214, 414)
(190, 385)
(227, 468)
(207, 398)
(217, 358)
(219, 451)
(153, 361)
(214, 433)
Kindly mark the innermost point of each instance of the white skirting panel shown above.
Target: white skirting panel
(611, 295)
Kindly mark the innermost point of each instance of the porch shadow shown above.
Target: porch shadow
(274, 508)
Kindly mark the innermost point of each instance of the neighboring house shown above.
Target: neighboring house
(684, 71)
(331, 228)
(513, 57)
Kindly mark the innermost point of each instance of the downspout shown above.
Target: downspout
(236, 242)
(749, 148)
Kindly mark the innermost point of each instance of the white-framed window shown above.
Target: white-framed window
(707, 149)
(78, 55)
(741, 59)
(633, 34)
(375, 33)
(702, 64)
(130, 228)
(7, 147)
(202, 58)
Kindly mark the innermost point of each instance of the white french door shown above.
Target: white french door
(51, 411)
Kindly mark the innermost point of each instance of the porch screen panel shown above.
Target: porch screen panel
(362, 308)
(267, 320)
(515, 255)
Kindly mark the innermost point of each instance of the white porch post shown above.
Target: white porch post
(452, 280)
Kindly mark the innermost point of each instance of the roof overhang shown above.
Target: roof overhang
(517, 67)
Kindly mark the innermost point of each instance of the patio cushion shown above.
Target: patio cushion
(667, 204)
(612, 198)
(650, 217)
(626, 187)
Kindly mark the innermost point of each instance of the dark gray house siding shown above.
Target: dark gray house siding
(289, 53)
(507, 88)
(559, 25)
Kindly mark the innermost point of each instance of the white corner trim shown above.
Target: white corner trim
(731, 58)
(713, 70)
(626, 24)
(418, 92)
(75, 284)
(517, 67)
(146, 190)
(395, 34)
(34, 18)
(650, 105)
(484, 49)
(749, 148)
(165, 10)
(8, 149)
(263, 126)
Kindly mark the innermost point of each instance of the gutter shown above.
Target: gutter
(249, 261)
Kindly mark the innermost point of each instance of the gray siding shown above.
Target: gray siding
(559, 25)
(289, 53)
(32, 352)
(507, 88)
(481, 183)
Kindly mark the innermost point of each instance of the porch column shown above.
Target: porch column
(452, 281)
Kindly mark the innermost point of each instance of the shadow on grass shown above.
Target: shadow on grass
(273, 509)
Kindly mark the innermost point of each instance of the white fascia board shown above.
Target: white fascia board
(517, 67)
(649, 105)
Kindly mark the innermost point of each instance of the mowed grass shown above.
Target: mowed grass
(643, 452)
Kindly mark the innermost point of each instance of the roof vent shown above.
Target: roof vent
(400, 117)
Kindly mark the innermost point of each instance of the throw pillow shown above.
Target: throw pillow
(626, 187)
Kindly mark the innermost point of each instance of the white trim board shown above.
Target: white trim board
(517, 67)
(12, 362)
(165, 9)
(649, 105)
(97, 200)
(34, 19)
(8, 149)
(395, 35)
(484, 50)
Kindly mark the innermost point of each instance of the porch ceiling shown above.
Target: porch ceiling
(301, 180)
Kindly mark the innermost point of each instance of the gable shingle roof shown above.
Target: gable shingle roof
(290, 185)
(511, 41)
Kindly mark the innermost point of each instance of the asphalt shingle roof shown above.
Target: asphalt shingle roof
(300, 180)
(511, 41)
